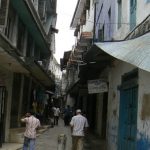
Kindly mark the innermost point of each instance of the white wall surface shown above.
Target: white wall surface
(143, 10)
(143, 128)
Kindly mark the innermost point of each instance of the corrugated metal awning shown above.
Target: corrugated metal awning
(135, 51)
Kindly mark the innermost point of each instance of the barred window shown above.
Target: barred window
(3, 12)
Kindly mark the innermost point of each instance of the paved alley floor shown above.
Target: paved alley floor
(49, 139)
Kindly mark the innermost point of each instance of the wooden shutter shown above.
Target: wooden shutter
(3, 12)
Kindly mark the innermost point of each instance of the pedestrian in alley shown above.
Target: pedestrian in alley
(32, 123)
(56, 115)
(67, 115)
(79, 125)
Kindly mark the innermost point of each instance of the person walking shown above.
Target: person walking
(67, 115)
(79, 125)
(56, 115)
(32, 123)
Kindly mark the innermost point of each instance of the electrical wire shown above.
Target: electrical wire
(66, 14)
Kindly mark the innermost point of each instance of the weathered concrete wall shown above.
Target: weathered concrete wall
(143, 128)
(99, 109)
(9, 83)
(144, 7)
(115, 74)
(70, 101)
(143, 116)
(88, 27)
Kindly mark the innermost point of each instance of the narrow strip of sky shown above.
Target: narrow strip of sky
(65, 37)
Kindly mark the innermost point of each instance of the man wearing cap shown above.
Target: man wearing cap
(78, 126)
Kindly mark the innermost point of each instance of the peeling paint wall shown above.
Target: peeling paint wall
(115, 74)
(143, 116)
(143, 128)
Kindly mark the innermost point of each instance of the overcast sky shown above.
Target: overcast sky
(65, 37)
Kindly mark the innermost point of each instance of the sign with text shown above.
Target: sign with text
(97, 86)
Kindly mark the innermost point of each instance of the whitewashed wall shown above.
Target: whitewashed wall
(143, 10)
(143, 128)
(89, 18)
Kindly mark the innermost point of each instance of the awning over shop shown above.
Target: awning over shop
(39, 73)
(135, 51)
(9, 59)
(29, 16)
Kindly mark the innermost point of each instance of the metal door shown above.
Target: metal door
(132, 14)
(128, 119)
(2, 111)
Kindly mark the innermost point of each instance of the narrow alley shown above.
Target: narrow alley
(84, 61)
(48, 140)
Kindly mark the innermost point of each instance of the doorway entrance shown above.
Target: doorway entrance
(128, 112)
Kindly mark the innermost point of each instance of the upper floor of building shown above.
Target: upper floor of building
(22, 24)
(115, 19)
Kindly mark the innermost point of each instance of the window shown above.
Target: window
(119, 13)
(10, 23)
(21, 36)
(110, 24)
(29, 46)
(3, 12)
(42, 9)
(132, 14)
(147, 1)
(101, 34)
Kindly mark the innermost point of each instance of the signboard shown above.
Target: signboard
(97, 86)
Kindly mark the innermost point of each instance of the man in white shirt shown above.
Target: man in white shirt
(78, 126)
(56, 115)
(32, 124)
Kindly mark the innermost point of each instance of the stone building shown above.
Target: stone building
(27, 36)
(113, 84)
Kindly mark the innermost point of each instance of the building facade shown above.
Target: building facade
(27, 35)
(117, 57)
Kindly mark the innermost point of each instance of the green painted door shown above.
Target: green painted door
(128, 119)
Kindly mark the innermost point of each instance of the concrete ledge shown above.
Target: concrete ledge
(17, 134)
